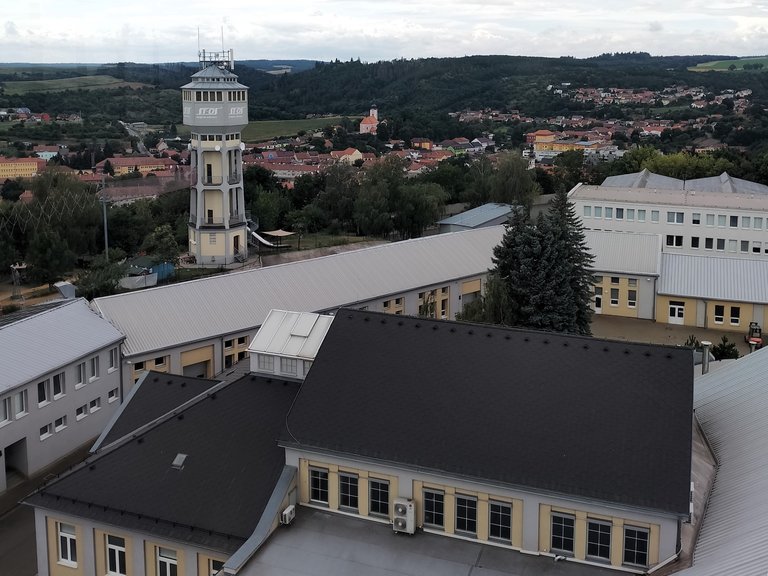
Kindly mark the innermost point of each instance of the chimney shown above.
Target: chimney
(705, 346)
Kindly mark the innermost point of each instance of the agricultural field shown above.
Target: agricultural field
(265, 129)
(724, 65)
(97, 82)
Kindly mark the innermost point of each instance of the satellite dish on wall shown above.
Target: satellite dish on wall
(217, 148)
(242, 146)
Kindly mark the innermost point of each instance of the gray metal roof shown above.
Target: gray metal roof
(667, 197)
(40, 343)
(709, 277)
(215, 77)
(168, 316)
(724, 183)
(622, 252)
(478, 216)
(731, 405)
(298, 334)
(643, 179)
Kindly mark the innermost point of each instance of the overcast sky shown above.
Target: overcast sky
(157, 31)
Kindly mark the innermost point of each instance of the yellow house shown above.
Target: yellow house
(20, 167)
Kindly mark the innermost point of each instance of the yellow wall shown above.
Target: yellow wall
(212, 200)
(198, 355)
(54, 568)
(662, 309)
(203, 561)
(100, 543)
(745, 316)
(394, 305)
(214, 159)
(623, 309)
(18, 169)
(150, 558)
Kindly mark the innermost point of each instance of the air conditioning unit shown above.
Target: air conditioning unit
(287, 515)
(405, 516)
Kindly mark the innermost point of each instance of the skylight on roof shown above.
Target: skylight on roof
(178, 462)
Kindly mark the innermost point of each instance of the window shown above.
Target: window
(500, 521)
(614, 279)
(266, 363)
(318, 485)
(599, 539)
(608, 212)
(166, 562)
(598, 211)
(696, 218)
(67, 544)
(562, 532)
(746, 222)
(710, 219)
(347, 491)
(115, 555)
(211, 239)
(434, 508)
(735, 315)
(159, 361)
(228, 343)
(94, 405)
(81, 412)
(757, 247)
(378, 496)
(614, 296)
(744, 246)
(598, 280)
(21, 404)
(113, 359)
(675, 217)
(6, 414)
(757, 223)
(215, 566)
(708, 243)
(694, 241)
(46, 431)
(58, 385)
(635, 546)
(94, 368)
(721, 244)
(60, 423)
(242, 340)
(113, 395)
(719, 313)
(288, 365)
(630, 214)
(631, 298)
(386, 303)
(229, 360)
(466, 514)
(731, 245)
(398, 301)
(733, 221)
(721, 220)
(641, 215)
(307, 366)
(588, 211)
(676, 241)
(43, 392)
(655, 216)
(619, 213)
(139, 366)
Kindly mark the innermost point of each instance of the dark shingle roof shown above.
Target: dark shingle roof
(566, 414)
(155, 395)
(216, 500)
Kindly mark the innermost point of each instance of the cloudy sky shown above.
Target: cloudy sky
(144, 31)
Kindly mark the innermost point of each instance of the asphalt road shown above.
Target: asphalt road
(17, 543)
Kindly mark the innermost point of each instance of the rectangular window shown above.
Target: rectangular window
(631, 298)
(43, 392)
(466, 514)
(746, 222)
(708, 243)
(614, 279)
(721, 244)
(588, 211)
(757, 247)
(619, 213)
(675, 217)
(598, 211)
(694, 241)
(139, 366)
(288, 365)
(6, 411)
(115, 556)
(113, 395)
(60, 423)
(744, 246)
(721, 220)
(242, 340)
(348, 491)
(307, 366)
(672, 240)
(641, 215)
(732, 245)
(735, 315)
(113, 359)
(21, 404)
(94, 405)
(630, 214)
(598, 280)
(318, 485)
(159, 361)
(710, 219)
(228, 343)
(614, 296)
(266, 363)
(696, 218)
(386, 303)
(757, 223)
(655, 216)
(733, 221)
(67, 544)
(215, 566)
(81, 412)
(500, 521)
(398, 301)
(94, 368)
(719, 313)
(562, 532)
(635, 546)
(58, 385)
(599, 539)
(378, 496)
(46, 431)
(167, 564)
(434, 512)
(608, 212)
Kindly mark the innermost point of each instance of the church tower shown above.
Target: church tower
(216, 110)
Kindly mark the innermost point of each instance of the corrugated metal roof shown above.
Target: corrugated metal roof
(625, 252)
(724, 183)
(297, 334)
(731, 405)
(38, 344)
(644, 179)
(667, 197)
(168, 316)
(478, 216)
(709, 277)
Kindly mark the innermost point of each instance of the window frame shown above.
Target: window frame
(719, 314)
(93, 368)
(376, 511)
(735, 315)
(289, 366)
(6, 410)
(318, 485)
(171, 562)
(44, 392)
(632, 550)
(118, 568)
(567, 524)
(21, 404)
(632, 298)
(434, 508)
(596, 534)
(67, 544)
(58, 381)
(265, 362)
(614, 300)
(465, 509)
(349, 491)
(113, 359)
(503, 512)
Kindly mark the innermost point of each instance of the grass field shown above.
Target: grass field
(722, 65)
(265, 129)
(77, 83)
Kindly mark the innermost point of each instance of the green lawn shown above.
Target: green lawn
(58, 85)
(722, 65)
(265, 129)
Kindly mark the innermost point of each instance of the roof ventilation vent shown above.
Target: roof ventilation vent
(178, 462)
